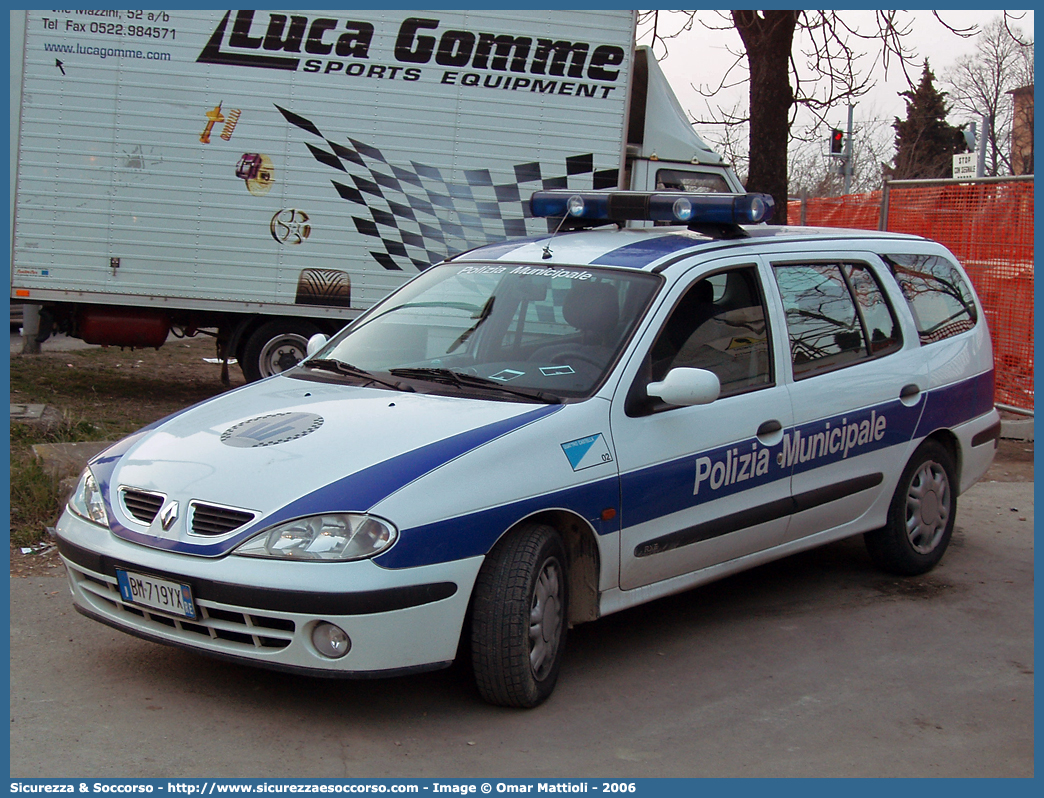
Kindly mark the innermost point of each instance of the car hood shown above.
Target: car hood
(283, 448)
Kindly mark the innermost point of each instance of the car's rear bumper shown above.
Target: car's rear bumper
(978, 439)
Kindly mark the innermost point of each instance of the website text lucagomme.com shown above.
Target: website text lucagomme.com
(105, 52)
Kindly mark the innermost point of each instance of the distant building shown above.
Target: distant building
(1022, 131)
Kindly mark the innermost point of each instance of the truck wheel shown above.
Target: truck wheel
(518, 620)
(276, 346)
(920, 517)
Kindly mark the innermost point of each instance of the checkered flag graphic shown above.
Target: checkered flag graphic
(417, 216)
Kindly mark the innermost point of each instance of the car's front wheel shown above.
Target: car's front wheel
(921, 515)
(519, 618)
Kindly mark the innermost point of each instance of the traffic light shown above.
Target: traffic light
(837, 141)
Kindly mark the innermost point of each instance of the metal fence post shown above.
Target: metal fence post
(882, 221)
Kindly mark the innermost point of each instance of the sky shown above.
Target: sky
(701, 56)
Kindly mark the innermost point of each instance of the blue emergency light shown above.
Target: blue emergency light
(601, 207)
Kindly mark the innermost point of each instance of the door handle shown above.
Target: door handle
(770, 433)
(909, 391)
(769, 427)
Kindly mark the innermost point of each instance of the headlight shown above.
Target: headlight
(334, 537)
(87, 502)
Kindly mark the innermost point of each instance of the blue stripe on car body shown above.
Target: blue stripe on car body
(974, 396)
(671, 487)
(635, 255)
(474, 534)
(496, 251)
(640, 254)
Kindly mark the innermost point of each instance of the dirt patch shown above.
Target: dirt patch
(118, 391)
(924, 587)
(42, 561)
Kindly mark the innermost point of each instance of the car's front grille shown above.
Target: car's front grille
(141, 505)
(211, 520)
(228, 629)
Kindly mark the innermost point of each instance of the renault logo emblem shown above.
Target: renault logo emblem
(168, 515)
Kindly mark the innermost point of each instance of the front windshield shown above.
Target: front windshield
(513, 331)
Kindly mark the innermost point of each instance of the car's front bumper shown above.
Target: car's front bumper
(264, 611)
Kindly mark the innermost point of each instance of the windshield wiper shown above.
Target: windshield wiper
(460, 380)
(348, 370)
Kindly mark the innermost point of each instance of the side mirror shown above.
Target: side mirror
(686, 387)
(315, 343)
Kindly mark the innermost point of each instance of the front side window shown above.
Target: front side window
(836, 316)
(939, 298)
(719, 325)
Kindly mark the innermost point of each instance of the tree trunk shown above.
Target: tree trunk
(768, 37)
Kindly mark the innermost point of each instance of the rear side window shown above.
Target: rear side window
(939, 298)
(836, 316)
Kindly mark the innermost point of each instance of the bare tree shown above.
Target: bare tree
(732, 143)
(831, 70)
(770, 33)
(980, 84)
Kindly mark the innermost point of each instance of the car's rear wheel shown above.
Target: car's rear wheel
(921, 515)
(518, 621)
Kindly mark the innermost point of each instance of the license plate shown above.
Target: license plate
(158, 594)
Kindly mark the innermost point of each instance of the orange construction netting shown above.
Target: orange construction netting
(859, 211)
(989, 227)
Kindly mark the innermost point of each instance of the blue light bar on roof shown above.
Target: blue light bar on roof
(667, 206)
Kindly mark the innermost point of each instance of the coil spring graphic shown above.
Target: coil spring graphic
(230, 124)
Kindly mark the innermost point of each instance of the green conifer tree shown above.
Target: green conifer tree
(925, 142)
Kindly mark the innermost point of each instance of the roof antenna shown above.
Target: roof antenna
(574, 209)
(547, 246)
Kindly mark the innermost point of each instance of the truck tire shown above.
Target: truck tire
(518, 618)
(275, 346)
(920, 517)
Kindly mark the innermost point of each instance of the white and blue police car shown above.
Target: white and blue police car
(538, 433)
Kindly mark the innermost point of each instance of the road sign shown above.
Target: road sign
(964, 165)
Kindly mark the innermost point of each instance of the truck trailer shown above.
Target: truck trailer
(263, 176)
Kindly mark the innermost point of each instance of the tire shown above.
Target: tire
(518, 619)
(921, 515)
(275, 346)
